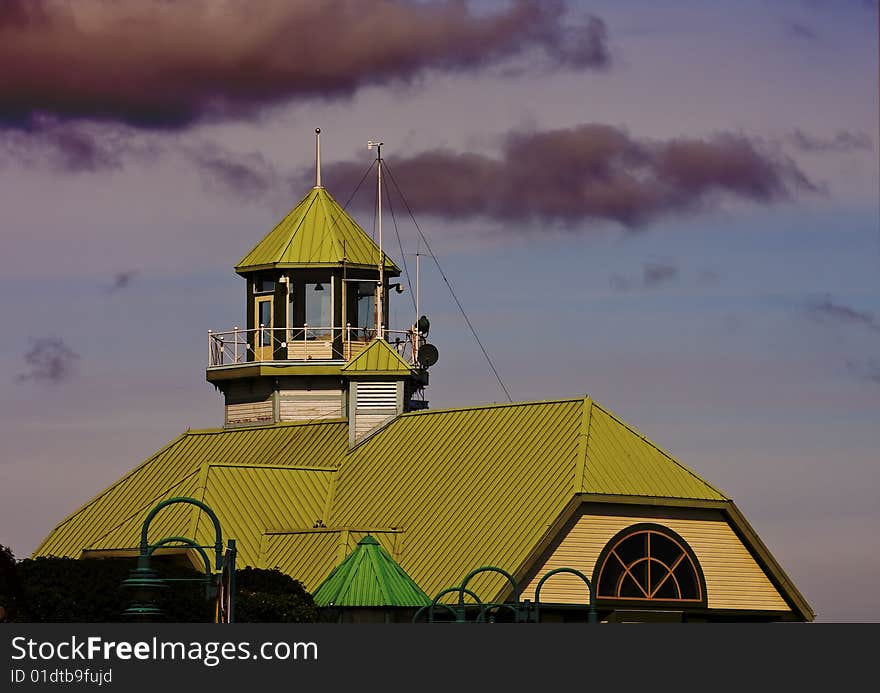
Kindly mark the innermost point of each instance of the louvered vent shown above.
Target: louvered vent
(376, 395)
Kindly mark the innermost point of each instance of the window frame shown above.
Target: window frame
(608, 552)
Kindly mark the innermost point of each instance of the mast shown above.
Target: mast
(318, 158)
(380, 308)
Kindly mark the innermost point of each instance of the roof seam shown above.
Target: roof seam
(298, 226)
(581, 464)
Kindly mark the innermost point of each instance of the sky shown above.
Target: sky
(671, 207)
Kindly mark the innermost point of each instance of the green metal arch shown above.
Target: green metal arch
(183, 540)
(487, 569)
(592, 616)
(218, 532)
(459, 616)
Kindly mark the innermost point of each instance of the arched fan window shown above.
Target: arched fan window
(648, 562)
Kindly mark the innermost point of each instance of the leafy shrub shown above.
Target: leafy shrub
(89, 590)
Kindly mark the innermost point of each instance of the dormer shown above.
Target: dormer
(377, 389)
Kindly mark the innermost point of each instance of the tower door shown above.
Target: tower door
(263, 319)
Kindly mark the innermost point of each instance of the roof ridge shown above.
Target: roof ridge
(334, 223)
(301, 221)
(495, 405)
(661, 451)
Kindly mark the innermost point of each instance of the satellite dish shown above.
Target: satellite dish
(428, 355)
(423, 325)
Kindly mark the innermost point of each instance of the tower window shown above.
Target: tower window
(648, 562)
(319, 308)
(264, 285)
(365, 297)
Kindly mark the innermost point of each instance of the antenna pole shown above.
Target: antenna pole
(318, 157)
(381, 310)
(418, 283)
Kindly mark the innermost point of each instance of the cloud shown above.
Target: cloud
(825, 311)
(584, 173)
(843, 141)
(121, 280)
(245, 176)
(73, 147)
(169, 63)
(49, 360)
(868, 370)
(654, 275)
(801, 31)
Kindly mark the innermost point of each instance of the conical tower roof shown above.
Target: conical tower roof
(369, 577)
(315, 233)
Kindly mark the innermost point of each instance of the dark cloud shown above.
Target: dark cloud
(801, 31)
(121, 280)
(843, 141)
(587, 172)
(825, 310)
(654, 274)
(246, 176)
(49, 360)
(169, 63)
(72, 147)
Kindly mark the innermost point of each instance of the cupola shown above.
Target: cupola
(316, 298)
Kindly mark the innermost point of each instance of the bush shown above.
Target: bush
(89, 590)
(270, 596)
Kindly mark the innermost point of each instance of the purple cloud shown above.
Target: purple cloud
(843, 141)
(168, 64)
(49, 360)
(825, 310)
(587, 172)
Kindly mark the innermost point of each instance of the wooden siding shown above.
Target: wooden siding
(250, 412)
(312, 349)
(733, 579)
(352, 348)
(364, 423)
(303, 405)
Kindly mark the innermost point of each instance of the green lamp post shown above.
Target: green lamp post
(145, 585)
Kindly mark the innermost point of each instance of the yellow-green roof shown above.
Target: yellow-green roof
(315, 233)
(378, 359)
(255, 479)
(481, 485)
(369, 577)
(442, 491)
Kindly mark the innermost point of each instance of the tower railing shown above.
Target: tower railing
(301, 343)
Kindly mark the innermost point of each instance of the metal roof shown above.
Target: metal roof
(442, 491)
(379, 358)
(369, 577)
(254, 479)
(315, 233)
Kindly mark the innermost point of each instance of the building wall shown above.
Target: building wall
(734, 580)
(300, 405)
(248, 402)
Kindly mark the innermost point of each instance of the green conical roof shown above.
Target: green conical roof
(369, 577)
(378, 359)
(315, 233)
